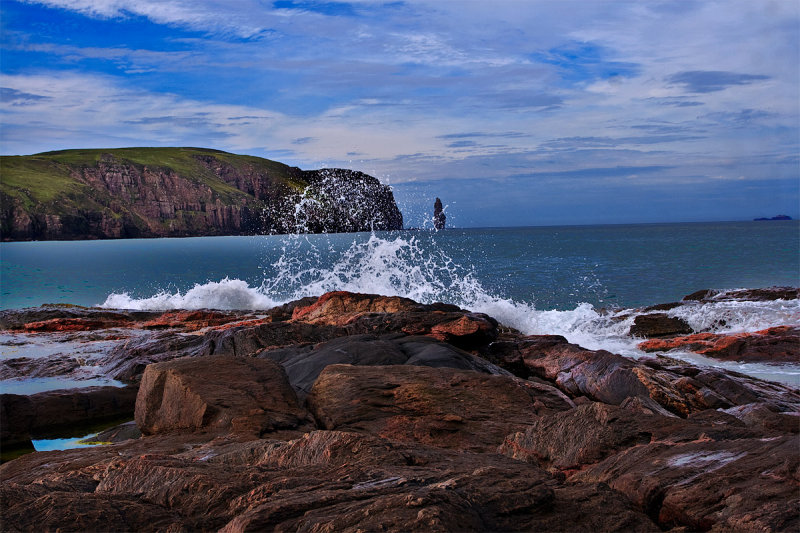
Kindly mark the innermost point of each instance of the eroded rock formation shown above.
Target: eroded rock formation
(439, 218)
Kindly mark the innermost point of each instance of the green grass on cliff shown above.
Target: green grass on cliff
(36, 180)
(45, 177)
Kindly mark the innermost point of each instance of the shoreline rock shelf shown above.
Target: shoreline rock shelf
(362, 412)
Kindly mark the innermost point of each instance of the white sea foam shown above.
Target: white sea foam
(224, 294)
(402, 266)
(739, 316)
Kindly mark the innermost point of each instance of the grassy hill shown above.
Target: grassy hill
(159, 192)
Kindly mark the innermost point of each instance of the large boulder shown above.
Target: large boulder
(340, 307)
(441, 407)
(242, 395)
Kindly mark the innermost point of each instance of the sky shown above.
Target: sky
(512, 112)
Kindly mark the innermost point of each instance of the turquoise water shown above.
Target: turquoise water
(543, 267)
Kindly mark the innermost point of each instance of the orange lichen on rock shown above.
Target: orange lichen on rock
(339, 307)
(72, 324)
(190, 320)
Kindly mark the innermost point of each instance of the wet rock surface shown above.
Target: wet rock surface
(303, 364)
(360, 412)
(773, 345)
(763, 294)
(659, 325)
(663, 384)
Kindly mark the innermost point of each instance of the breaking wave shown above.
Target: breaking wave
(224, 294)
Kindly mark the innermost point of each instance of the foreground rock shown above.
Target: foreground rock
(728, 485)
(325, 480)
(687, 473)
(360, 412)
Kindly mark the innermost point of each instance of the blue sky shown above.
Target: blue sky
(513, 112)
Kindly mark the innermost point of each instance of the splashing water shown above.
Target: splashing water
(410, 266)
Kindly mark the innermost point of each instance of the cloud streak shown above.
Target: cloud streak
(707, 81)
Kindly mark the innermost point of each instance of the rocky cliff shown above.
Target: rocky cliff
(181, 192)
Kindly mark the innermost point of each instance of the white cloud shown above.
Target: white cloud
(396, 80)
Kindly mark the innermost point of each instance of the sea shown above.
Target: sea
(575, 281)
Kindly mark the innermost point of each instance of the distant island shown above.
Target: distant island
(778, 217)
(181, 192)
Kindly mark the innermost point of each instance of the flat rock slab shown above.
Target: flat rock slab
(756, 295)
(442, 407)
(229, 393)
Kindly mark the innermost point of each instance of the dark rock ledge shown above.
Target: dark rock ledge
(360, 412)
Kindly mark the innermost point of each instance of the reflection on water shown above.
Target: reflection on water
(35, 385)
(47, 445)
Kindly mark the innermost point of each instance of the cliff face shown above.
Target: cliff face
(179, 192)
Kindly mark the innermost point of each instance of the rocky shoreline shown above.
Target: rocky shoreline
(361, 412)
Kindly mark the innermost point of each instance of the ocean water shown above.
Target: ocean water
(570, 280)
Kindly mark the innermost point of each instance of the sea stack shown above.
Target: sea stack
(438, 215)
